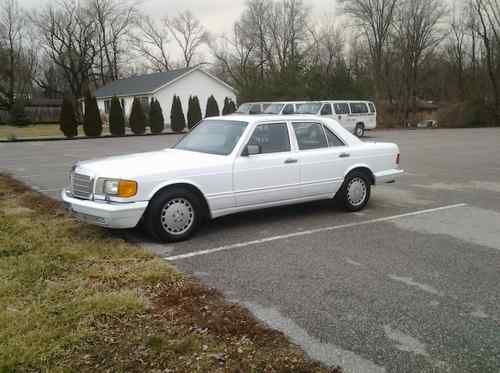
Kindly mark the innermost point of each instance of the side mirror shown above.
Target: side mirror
(251, 150)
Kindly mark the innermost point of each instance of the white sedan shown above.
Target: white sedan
(227, 165)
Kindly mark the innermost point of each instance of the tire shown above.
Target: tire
(355, 192)
(173, 215)
(359, 131)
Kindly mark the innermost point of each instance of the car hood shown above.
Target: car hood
(150, 163)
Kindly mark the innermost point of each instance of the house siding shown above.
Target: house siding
(195, 83)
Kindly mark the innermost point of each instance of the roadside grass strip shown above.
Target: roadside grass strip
(77, 298)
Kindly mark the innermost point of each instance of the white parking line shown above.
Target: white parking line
(309, 232)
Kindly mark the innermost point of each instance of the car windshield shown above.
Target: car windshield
(213, 136)
(308, 108)
(244, 109)
(274, 109)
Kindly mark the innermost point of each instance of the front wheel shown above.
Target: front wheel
(359, 131)
(355, 192)
(173, 215)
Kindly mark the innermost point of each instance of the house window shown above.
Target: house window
(107, 106)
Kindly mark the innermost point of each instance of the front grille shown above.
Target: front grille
(81, 186)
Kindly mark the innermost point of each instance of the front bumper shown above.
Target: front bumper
(388, 176)
(105, 214)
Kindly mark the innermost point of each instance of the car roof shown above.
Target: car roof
(258, 118)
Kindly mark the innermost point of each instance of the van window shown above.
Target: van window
(255, 109)
(372, 107)
(359, 108)
(310, 136)
(341, 108)
(326, 110)
(289, 109)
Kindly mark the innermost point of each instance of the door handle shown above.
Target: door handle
(291, 160)
(344, 155)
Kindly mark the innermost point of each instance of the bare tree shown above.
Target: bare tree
(456, 49)
(288, 28)
(17, 62)
(254, 23)
(233, 56)
(115, 20)
(152, 43)
(417, 35)
(488, 29)
(189, 34)
(68, 34)
(375, 18)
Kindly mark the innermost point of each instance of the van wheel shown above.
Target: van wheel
(355, 192)
(173, 215)
(359, 130)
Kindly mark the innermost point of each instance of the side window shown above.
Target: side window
(341, 108)
(288, 109)
(333, 140)
(272, 138)
(255, 109)
(326, 109)
(372, 108)
(359, 108)
(310, 136)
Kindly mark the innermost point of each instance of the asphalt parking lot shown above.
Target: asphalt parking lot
(409, 284)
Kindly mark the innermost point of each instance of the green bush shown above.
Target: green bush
(137, 120)
(229, 106)
(194, 112)
(116, 118)
(177, 119)
(18, 115)
(67, 121)
(212, 108)
(92, 125)
(156, 119)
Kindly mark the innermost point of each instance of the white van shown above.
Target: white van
(355, 116)
(284, 107)
(252, 108)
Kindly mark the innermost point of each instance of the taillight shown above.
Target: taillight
(397, 159)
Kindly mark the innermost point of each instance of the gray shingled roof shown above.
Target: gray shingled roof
(142, 84)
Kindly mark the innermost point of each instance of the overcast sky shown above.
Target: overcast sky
(218, 16)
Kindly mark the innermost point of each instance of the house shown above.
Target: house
(163, 86)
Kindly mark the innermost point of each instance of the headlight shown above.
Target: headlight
(117, 187)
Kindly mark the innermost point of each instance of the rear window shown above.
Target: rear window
(341, 108)
(372, 107)
(359, 108)
(333, 140)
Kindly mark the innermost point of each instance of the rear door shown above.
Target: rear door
(360, 114)
(272, 176)
(322, 157)
(343, 115)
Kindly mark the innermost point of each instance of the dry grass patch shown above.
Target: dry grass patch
(74, 298)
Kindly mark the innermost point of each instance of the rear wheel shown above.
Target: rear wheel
(173, 215)
(355, 192)
(359, 131)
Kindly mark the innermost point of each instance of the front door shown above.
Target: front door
(273, 175)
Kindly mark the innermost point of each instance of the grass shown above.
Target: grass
(75, 298)
(36, 130)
